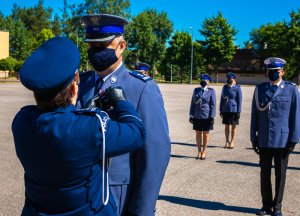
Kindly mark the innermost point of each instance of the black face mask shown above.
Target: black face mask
(203, 83)
(229, 81)
(102, 58)
(273, 75)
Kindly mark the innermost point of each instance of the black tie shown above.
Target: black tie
(274, 88)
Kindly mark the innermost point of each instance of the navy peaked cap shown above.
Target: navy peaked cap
(141, 66)
(51, 67)
(205, 77)
(103, 27)
(231, 75)
(274, 63)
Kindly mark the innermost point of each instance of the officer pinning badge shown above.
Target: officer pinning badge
(113, 79)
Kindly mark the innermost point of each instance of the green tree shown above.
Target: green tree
(279, 39)
(19, 39)
(179, 54)
(35, 18)
(7, 64)
(56, 28)
(115, 7)
(218, 46)
(43, 36)
(149, 32)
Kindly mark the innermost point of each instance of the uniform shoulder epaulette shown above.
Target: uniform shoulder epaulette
(210, 88)
(140, 76)
(237, 85)
(291, 83)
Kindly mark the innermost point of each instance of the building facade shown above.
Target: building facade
(4, 49)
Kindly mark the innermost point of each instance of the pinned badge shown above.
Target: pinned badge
(281, 86)
(113, 79)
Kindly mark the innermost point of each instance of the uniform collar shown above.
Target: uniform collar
(109, 75)
(68, 108)
(205, 88)
(278, 84)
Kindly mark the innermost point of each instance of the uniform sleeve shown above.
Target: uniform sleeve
(151, 161)
(192, 107)
(221, 100)
(212, 105)
(254, 116)
(239, 100)
(294, 121)
(126, 134)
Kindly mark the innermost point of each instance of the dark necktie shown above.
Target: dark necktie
(98, 85)
(274, 88)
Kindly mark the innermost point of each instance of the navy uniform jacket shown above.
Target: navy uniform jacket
(203, 104)
(279, 123)
(143, 171)
(231, 99)
(61, 153)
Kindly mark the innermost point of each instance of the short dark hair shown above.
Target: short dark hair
(52, 101)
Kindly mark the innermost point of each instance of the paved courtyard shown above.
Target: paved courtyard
(226, 183)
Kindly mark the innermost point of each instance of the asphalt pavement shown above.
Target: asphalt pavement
(226, 183)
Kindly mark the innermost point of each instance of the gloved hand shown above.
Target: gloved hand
(114, 95)
(237, 116)
(255, 146)
(212, 121)
(288, 149)
(221, 114)
(93, 102)
(191, 120)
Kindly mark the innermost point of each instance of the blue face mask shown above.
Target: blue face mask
(203, 83)
(273, 75)
(102, 58)
(229, 81)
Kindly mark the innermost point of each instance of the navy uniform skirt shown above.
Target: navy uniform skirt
(202, 124)
(229, 118)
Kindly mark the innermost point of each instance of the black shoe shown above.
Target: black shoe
(277, 213)
(263, 211)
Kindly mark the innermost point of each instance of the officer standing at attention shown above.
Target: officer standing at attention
(136, 178)
(142, 68)
(230, 108)
(275, 130)
(202, 114)
(62, 149)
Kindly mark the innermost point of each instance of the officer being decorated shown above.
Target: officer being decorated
(135, 178)
(142, 68)
(202, 114)
(64, 150)
(230, 108)
(275, 130)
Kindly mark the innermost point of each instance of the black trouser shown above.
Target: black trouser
(266, 157)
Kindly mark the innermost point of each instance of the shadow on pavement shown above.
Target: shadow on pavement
(208, 205)
(193, 145)
(250, 164)
(180, 156)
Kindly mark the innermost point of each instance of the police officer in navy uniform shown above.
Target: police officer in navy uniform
(275, 130)
(202, 114)
(63, 150)
(135, 178)
(230, 108)
(142, 68)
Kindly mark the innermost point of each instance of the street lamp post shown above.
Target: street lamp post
(192, 54)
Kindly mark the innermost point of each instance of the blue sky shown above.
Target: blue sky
(242, 14)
